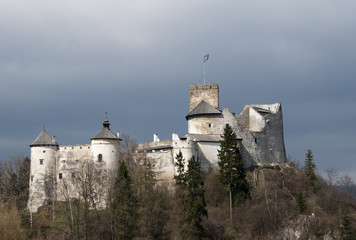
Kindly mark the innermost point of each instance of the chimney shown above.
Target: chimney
(118, 134)
(175, 137)
(155, 137)
(54, 139)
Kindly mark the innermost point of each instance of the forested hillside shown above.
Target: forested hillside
(283, 202)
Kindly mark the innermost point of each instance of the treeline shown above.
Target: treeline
(229, 203)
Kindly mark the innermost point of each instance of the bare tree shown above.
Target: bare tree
(14, 180)
(89, 182)
(332, 176)
(128, 144)
(66, 193)
(346, 182)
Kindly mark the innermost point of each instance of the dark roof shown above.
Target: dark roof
(43, 139)
(105, 133)
(204, 137)
(158, 147)
(203, 108)
(262, 111)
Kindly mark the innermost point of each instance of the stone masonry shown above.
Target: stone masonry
(259, 129)
(55, 169)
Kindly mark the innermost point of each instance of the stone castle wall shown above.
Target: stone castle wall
(207, 92)
(259, 129)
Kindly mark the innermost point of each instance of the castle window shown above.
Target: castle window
(255, 140)
(100, 157)
(31, 178)
(73, 175)
(41, 161)
(60, 176)
(209, 124)
(44, 151)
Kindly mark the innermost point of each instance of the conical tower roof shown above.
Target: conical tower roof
(202, 109)
(105, 133)
(44, 139)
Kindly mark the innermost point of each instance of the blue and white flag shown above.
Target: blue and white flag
(206, 57)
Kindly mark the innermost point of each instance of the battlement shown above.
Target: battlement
(207, 92)
(204, 86)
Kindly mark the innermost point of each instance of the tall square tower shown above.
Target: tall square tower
(207, 92)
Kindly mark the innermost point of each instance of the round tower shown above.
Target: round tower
(43, 158)
(105, 147)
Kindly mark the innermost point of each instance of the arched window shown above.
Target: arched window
(100, 157)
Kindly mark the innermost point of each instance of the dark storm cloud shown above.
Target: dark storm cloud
(64, 64)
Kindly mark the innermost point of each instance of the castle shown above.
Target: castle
(55, 168)
(259, 129)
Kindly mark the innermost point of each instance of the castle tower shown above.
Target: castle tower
(204, 109)
(106, 147)
(207, 92)
(43, 161)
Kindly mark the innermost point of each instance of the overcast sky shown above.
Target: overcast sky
(63, 64)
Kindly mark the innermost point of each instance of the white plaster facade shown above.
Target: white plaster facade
(53, 165)
(259, 129)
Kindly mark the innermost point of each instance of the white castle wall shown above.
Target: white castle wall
(41, 176)
(207, 153)
(57, 176)
(109, 150)
(204, 125)
(259, 128)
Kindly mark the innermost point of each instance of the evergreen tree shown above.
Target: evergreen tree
(179, 216)
(179, 176)
(194, 199)
(124, 205)
(301, 204)
(309, 169)
(154, 204)
(23, 184)
(232, 172)
(190, 201)
(345, 229)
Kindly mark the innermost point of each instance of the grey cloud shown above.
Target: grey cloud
(64, 63)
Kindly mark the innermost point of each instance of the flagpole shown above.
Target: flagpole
(204, 72)
(206, 57)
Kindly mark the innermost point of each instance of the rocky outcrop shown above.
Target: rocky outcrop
(303, 228)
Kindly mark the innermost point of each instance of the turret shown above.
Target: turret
(43, 158)
(204, 110)
(105, 147)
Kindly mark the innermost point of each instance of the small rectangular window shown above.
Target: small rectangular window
(73, 175)
(31, 178)
(209, 124)
(60, 176)
(41, 161)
